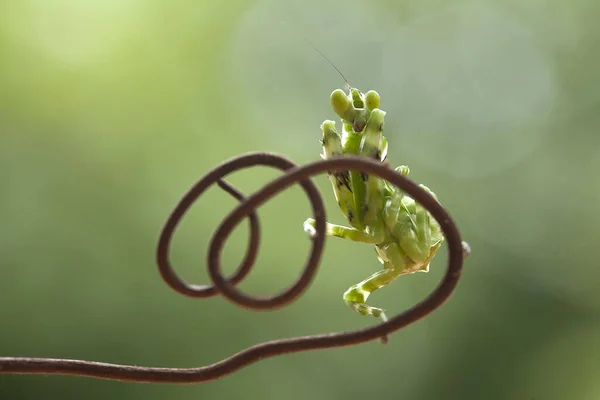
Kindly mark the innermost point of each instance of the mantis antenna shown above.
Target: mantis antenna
(348, 86)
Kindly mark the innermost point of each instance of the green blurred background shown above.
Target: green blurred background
(110, 110)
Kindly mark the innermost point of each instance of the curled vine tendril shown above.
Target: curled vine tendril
(293, 174)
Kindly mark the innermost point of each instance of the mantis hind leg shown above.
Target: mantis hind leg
(356, 296)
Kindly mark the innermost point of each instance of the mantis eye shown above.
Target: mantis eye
(372, 100)
(341, 105)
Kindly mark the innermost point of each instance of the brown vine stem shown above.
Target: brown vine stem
(226, 286)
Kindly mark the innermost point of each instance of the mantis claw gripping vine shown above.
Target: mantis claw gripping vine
(403, 232)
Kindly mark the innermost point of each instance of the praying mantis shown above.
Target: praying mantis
(405, 236)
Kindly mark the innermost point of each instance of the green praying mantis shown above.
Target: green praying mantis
(406, 237)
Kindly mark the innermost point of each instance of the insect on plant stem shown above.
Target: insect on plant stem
(402, 220)
(404, 234)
